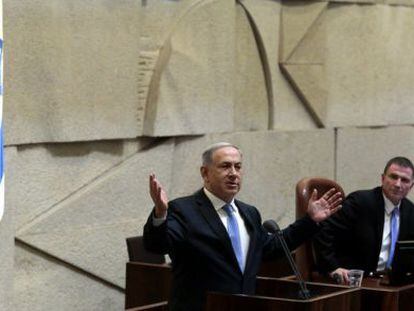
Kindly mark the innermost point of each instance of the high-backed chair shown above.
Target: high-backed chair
(137, 251)
(305, 255)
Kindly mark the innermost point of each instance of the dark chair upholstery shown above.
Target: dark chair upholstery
(305, 254)
(137, 251)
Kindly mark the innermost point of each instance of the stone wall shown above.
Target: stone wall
(98, 94)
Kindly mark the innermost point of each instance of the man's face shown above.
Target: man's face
(397, 182)
(223, 176)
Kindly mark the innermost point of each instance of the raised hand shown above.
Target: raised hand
(159, 197)
(327, 205)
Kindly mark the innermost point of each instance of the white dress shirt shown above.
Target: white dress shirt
(244, 235)
(386, 234)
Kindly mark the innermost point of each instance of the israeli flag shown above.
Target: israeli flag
(1, 115)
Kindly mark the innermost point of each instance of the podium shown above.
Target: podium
(282, 294)
(146, 284)
(148, 288)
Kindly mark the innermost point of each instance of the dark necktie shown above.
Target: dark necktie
(233, 231)
(394, 234)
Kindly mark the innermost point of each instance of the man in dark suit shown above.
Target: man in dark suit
(216, 243)
(360, 235)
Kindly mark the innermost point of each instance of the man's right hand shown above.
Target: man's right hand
(340, 275)
(159, 197)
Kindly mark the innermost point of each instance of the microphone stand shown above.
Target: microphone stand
(304, 293)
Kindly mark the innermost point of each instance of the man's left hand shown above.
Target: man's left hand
(327, 205)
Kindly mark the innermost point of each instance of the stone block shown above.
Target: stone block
(299, 19)
(191, 88)
(350, 64)
(45, 175)
(252, 97)
(88, 228)
(303, 54)
(369, 65)
(71, 71)
(285, 111)
(42, 283)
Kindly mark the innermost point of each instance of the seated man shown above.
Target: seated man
(363, 234)
(215, 242)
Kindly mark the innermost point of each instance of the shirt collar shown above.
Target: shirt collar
(217, 202)
(389, 206)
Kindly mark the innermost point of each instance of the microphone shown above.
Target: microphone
(272, 227)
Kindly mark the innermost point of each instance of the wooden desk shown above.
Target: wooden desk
(377, 296)
(150, 283)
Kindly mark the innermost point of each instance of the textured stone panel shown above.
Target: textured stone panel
(370, 64)
(89, 228)
(251, 105)
(286, 112)
(399, 2)
(155, 30)
(363, 152)
(194, 94)
(365, 53)
(71, 70)
(304, 55)
(310, 84)
(298, 19)
(99, 249)
(44, 175)
(42, 283)
(274, 162)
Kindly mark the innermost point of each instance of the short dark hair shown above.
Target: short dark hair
(207, 156)
(400, 161)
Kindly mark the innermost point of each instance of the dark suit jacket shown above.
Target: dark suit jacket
(201, 252)
(352, 237)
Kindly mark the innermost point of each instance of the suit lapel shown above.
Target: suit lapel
(379, 207)
(404, 219)
(213, 220)
(250, 229)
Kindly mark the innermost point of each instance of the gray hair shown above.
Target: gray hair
(207, 157)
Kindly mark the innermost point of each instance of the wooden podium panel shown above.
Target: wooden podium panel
(277, 294)
(376, 295)
(381, 297)
(147, 284)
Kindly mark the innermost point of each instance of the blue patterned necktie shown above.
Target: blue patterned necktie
(394, 234)
(233, 231)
